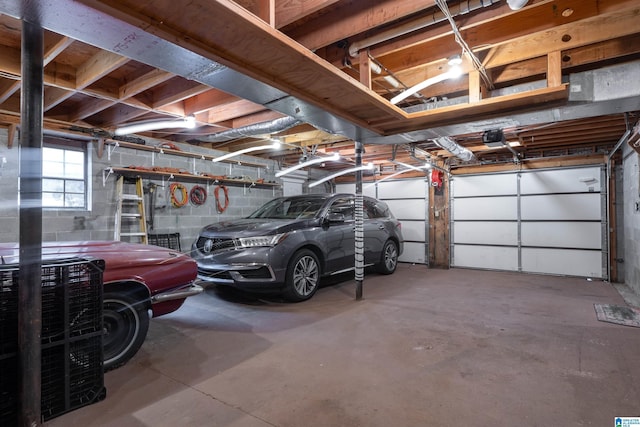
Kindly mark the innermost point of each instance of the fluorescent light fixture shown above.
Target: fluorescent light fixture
(368, 166)
(393, 175)
(408, 166)
(274, 146)
(188, 122)
(333, 158)
(454, 72)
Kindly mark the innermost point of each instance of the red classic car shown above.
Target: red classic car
(137, 278)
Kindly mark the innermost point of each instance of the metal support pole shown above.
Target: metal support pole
(359, 223)
(30, 287)
(610, 180)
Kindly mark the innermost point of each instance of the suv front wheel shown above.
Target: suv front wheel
(303, 276)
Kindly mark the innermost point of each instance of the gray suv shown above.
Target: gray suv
(288, 244)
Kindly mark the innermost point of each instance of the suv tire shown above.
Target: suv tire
(303, 276)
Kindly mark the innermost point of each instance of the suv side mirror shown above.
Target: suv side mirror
(335, 217)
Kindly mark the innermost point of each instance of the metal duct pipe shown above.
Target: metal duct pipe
(517, 4)
(436, 17)
(277, 125)
(454, 148)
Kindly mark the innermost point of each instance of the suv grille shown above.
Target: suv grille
(216, 245)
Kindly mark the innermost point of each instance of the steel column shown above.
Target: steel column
(359, 224)
(30, 288)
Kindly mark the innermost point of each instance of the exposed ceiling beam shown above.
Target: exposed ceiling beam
(99, 66)
(354, 18)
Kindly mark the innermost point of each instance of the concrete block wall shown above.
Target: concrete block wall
(98, 222)
(631, 171)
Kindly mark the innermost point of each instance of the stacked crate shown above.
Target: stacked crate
(170, 241)
(71, 338)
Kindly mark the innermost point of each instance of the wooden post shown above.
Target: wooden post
(474, 86)
(554, 69)
(365, 68)
(439, 225)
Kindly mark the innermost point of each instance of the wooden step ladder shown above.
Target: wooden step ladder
(130, 208)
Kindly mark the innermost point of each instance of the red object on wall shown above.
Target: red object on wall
(436, 178)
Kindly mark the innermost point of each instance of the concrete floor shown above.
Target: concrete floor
(423, 348)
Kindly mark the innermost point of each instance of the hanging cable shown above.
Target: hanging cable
(167, 144)
(221, 207)
(442, 4)
(178, 202)
(151, 204)
(198, 195)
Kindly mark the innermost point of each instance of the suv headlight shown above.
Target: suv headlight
(258, 241)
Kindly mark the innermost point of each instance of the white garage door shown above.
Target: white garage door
(545, 221)
(408, 200)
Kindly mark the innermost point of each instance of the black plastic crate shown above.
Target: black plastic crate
(171, 240)
(8, 310)
(8, 389)
(72, 375)
(71, 363)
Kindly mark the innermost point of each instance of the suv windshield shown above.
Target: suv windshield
(290, 208)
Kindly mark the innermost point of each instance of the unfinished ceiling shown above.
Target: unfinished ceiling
(558, 78)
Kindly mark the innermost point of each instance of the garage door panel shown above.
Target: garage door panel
(403, 189)
(571, 262)
(552, 224)
(407, 209)
(585, 235)
(485, 185)
(485, 232)
(570, 207)
(413, 252)
(407, 199)
(561, 181)
(487, 257)
(413, 230)
(486, 208)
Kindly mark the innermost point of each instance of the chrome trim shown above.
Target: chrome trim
(350, 269)
(191, 290)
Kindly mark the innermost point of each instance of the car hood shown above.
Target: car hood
(116, 254)
(248, 227)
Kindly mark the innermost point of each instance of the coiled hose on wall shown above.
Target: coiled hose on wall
(219, 206)
(178, 201)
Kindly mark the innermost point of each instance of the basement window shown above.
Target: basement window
(64, 176)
